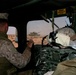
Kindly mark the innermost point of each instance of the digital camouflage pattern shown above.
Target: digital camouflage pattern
(8, 51)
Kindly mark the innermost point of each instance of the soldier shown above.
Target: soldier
(10, 58)
(67, 67)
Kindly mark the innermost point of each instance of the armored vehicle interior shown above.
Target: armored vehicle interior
(21, 12)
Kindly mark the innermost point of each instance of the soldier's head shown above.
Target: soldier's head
(3, 22)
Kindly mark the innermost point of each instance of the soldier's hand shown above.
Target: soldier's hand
(30, 43)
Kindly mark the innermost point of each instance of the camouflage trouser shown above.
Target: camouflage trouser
(66, 68)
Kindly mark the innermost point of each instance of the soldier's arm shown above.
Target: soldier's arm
(19, 60)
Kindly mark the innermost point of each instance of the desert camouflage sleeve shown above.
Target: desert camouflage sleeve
(8, 51)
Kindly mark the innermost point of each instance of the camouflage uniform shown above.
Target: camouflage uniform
(8, 55)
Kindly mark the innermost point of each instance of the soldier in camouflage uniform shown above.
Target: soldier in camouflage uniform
(67, 67)
(10, 58)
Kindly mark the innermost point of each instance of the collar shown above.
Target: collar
(3, 35)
